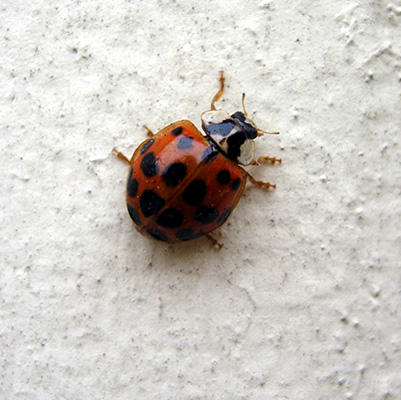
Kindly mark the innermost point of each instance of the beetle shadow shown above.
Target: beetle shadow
(184, 257)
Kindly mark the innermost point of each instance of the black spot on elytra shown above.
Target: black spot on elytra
(236, 184)
(146, 146)
(185, 142)
(177, 131)
(149, 165)
(223, 217)
(195, 192)
(187, 234)
(223, 177)
(132, 186)
(170, 218)
(150, 203)
(174, 174)
(209, 154)
(134, 215)
(158, 235)
(206, 215)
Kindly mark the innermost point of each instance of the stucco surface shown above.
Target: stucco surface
(302, 302)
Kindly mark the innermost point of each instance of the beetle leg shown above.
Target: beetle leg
(121, 155)
(266, 185)
(148, 131)
(217, 244)
(266, 159)
(271, 160)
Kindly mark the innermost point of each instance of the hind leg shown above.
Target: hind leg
(148, 131)
(215, 243)
(121, 156)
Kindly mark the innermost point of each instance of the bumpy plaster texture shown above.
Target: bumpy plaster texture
(303, 302)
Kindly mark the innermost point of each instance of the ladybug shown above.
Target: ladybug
(183, 184)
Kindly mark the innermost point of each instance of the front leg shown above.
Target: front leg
(266, 159)
(266, 185)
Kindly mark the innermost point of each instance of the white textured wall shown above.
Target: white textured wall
(303, 302)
